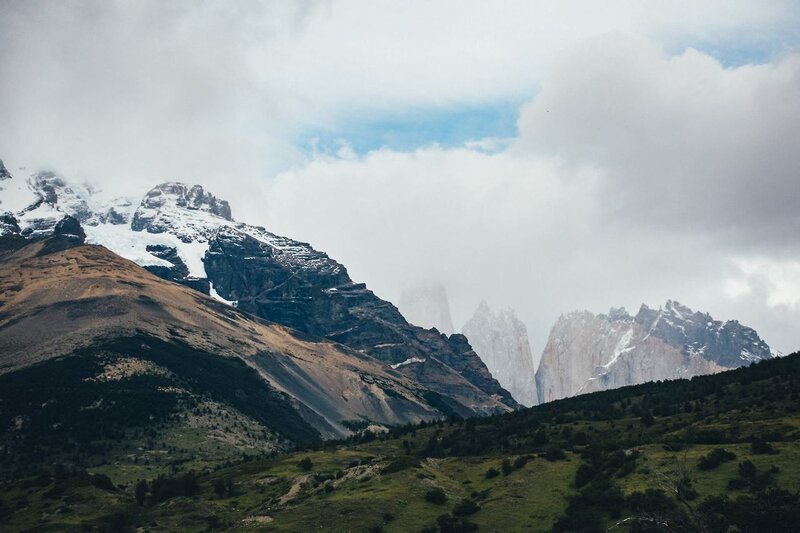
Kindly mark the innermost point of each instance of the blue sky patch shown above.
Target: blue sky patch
(447, 127)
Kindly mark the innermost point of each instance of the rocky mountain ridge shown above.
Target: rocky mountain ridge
(185, 234)
(501, 341)
(587, 352)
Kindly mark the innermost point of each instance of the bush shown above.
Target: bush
(140, 491)
(760, 447)
(505, 466)
(583, 475)
(102, 481)
(219, 487)
(520, 462)
(554, 453)
(305, 464)
(715, 458)
(747, 470)
(401, 463)
(163, 488)
(436, 496)
(465, 507)
(455, 524)
(492, 472)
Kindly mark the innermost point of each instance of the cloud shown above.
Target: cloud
(636, 177)
(643, 169)
(128, 93)
(684, 144)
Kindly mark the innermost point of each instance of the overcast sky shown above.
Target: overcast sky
(542, 155)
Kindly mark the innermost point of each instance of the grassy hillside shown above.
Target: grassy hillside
(710, 454)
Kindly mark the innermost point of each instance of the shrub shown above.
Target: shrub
(140, 491)
(715, 458)
(506, 467)
(436, 496)
(455, 524)
(102, 481)
(401, 463)
(554, 453)
(305, 464)
(219, 487)
(760, 447)
(520, 462)
(492, 472)
(747, 470)
(465, 507)
(163, 487)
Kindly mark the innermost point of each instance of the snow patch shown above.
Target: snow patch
(408, 361)
(214, 294)
(623, 346)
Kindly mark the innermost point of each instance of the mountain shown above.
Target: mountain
(187, 235)
(587, 352)
(501, 341)
(427, 306)
(94, 348)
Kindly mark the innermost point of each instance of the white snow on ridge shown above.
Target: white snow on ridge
(623, 346)
(214, 294)
(408, 361)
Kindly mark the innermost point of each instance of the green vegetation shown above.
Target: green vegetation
(716, 453)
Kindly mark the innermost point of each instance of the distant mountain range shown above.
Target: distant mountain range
(587, 352)
(186, 235)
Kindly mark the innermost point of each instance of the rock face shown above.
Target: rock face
(501, 341)
(427, 306)
(587, 352)
(67, 304)
(187, 235)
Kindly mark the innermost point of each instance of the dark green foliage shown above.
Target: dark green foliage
(401, 463)
(166, 487)
(715, 458)
(520, 462)
(465, 507)
(554, 453)
(747, 470)
(455, 524)
(505, 467)
(58, 421)
(305, 464)
(759, 446)
(770, 510)
(102, 481)
(436, 496)
(492, 473)
(140, 491)
(220, 487)
(750, 478)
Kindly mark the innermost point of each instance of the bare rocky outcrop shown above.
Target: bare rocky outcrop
(587, 352)
(501, 341)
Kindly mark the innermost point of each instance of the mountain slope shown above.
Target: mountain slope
(77, 310)
(587, 352)
(501, 341)
(187, 235)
